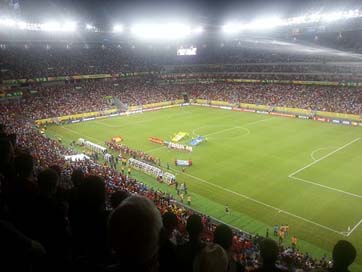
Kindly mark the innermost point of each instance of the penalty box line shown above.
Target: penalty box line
(262, 203)
(324, 157)
(292, 175)
(354, 228)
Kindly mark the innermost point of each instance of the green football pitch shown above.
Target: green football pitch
(268, 170)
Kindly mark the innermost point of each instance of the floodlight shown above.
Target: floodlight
(118, 28)
(21, 25)
(89, 27)
(333, 16)
(69, 26)
(198, 30)
(265, 23)
(52, 26)
(231, 28)
(168, 31)
(7, 22)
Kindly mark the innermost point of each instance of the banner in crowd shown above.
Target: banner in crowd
(74, 77)
(78, 116)
(10, 93)
(77, 157)
(183, 162)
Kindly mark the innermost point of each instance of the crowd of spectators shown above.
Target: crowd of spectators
(87, 96)
(65, 99)
(58, 215)
(44, 60)
(315, 98)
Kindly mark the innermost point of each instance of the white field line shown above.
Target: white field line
(247, 197)
(354, 228)
(324, 157)
(80, 134)
(326, 187)
(232, 128)
(137, 122)
(221, 131)
(262, 203)
(317, 150)
(228, 129)
(118, 126)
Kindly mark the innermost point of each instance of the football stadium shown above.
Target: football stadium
(188, 136)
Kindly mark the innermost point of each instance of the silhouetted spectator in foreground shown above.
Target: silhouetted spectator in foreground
(223, 236)
(213, 258)
(269, 252)
(186, 253)
(134, 229)
(117, 198)
(167, 252)
(6, 160)
(77, 177)
(344, 254)
(18, 252)
(49, 225)
(20, 191)
(88, 221)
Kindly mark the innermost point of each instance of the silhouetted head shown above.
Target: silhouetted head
(6, 152)
(91, 193)
(223, 236)
(269, 251)
(213, 258)
(24, 165)
(134, 229)
(117, 198)
(194, 226)
(77, 176)
(170, 222)
(47, 181)
(344, 254)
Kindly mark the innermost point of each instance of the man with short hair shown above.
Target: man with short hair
(134, 229)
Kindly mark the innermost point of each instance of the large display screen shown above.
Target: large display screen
(191, 51)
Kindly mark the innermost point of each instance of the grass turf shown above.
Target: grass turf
(246, 163)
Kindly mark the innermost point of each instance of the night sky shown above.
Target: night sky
(201, 11)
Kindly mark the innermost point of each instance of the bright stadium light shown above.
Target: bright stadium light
(333, 16)
(53, 26)
(69, 26)
(198, 30)
(89, 27)
(260, 24)
(170, 31)
(230, 28)
(265, 23)
(50, 26)
(8, 22)
(118, 28)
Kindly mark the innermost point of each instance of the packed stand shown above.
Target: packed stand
(60, 100)
(73, 216)
(28, 61)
